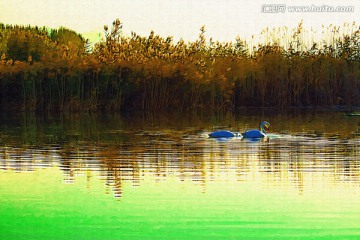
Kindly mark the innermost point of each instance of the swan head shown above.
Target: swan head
(264, 126)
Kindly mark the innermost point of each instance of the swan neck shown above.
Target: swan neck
(262, 129)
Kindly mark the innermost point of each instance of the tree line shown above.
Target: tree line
(58, 70)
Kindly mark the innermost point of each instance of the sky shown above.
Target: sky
(224, 19)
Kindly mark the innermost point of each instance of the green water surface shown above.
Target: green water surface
(135, 178)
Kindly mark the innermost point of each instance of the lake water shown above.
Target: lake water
(81, 176)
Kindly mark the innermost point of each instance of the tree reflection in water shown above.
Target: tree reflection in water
(161, 155)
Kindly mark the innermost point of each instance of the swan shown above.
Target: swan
(257, 133)
(223, 134)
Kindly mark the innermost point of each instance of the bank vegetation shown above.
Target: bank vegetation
(58, 70)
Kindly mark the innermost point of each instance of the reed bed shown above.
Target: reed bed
(57, 70)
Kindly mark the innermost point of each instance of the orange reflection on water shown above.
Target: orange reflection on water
(295, 162)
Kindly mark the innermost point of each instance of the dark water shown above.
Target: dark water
(160, 177)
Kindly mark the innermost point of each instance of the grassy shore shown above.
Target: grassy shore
(57, 70)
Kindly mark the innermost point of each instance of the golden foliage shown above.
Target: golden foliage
(156, 73)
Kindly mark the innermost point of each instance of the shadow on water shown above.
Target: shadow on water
(129, 149)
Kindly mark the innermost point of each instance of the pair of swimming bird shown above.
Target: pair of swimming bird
(248, 134)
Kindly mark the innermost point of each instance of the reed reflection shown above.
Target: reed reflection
(287, 161)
